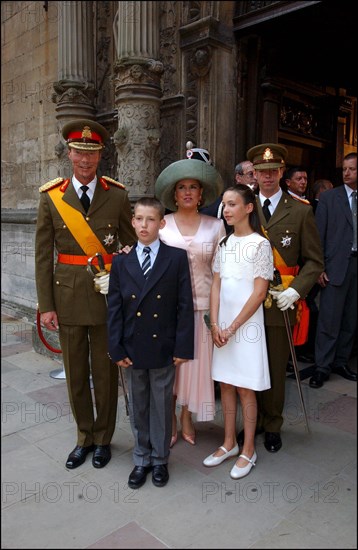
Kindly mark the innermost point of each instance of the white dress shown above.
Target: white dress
(242, 362)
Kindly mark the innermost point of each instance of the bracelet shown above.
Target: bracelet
(230, 332)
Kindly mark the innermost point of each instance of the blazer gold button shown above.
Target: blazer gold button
(64, 226)
(139, 314)
(158, 296)
(155, 315)
(133, 296)
(109, 225)
(57, 282)
(154, 336)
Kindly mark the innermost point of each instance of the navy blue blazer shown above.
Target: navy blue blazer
(335, 226)
(151, 320)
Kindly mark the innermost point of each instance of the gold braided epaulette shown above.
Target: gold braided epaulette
(114, 182)
(50, 185)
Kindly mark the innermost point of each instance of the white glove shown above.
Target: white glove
(285, 298)
(101, 283)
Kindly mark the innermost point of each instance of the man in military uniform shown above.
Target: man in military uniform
(86, 217)
(293, 233)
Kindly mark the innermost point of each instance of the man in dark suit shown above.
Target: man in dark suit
(244, 173)
(292, 231)
(78, 218)
(336, 217)
(151, 331)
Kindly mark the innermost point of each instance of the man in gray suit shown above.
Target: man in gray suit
(336, 217)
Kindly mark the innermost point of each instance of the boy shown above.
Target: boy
(151, 331)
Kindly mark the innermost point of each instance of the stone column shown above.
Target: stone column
(75, 91)
(137, 74)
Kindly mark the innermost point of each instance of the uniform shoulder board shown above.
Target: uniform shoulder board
(50, 185)
(114, 182)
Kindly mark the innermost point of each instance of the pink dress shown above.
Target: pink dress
(194, 386)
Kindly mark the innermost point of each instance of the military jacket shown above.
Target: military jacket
(293, 231)
(68, 289)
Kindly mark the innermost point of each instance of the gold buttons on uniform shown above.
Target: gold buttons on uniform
(155, 315)
(133, 296)
(57, 282)
(109, 225)
(139, 314)
(158, 296)
(64, 226)
(154, 336)
(87, 218)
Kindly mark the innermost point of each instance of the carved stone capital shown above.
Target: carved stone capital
(67, 90)
(74, 98)
(138, 71)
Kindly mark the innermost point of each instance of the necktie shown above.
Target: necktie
(85, 198)
(146, 265)
(354, 215)
(265, 209)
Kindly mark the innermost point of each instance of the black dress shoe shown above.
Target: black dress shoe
(138, 476)
(101, 456)
(78, 456)
(241, 436)
(160, 475)
(273, 442)
(318, 379)
(346, 372)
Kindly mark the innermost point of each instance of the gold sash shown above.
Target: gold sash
(78, 226)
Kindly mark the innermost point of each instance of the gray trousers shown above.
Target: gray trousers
(337, 322)
(150, 411)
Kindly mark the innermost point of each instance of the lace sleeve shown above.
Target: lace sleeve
(216, 262)
(263, 266)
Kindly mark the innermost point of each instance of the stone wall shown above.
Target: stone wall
(28, 138)
(28, 128)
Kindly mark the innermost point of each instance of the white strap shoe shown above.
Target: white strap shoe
(237, 473)
(216, 460)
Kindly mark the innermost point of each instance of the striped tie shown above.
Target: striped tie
(146, 265)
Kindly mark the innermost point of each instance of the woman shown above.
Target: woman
(242, 269)
(182, 188)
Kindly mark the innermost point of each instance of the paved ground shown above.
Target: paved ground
(302, 497)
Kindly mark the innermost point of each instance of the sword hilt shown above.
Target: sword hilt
(277, 277)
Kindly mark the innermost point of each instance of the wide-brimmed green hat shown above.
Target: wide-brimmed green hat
(267, 156)
(199, 170)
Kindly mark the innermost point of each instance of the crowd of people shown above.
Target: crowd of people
(199, 285)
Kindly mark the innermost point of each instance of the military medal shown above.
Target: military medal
(108, 239)
(286, 242)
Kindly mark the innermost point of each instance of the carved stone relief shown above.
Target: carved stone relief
(74, 92)
(104, 54)
(137, 142)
